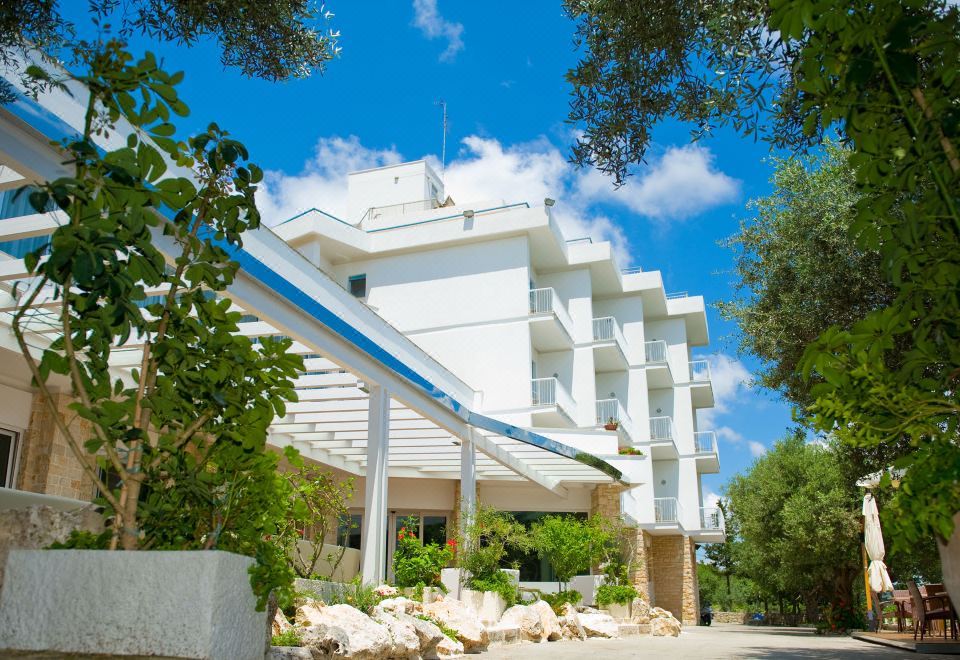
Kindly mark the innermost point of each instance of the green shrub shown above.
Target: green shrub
(290, 637)
(419, 565)
(556, 601)
(362, 596)
(80, 539)
(449, 632)
(620, 594)
(500, 583)
(483, 546)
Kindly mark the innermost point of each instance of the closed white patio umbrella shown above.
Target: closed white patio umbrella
(873, 541)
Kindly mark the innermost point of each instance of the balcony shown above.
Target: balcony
(612, 409)
(551, 328)
(701, 386)
(609, 345)
(662, 436)
(708, 458)
(666, 511)
(658, 367)
(711, 526)
(552, 404)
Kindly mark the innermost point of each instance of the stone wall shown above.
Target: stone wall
(605, 501)
(731, 617)
(47, 464)
(673, 570)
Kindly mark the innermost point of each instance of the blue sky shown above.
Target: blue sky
(502, 75)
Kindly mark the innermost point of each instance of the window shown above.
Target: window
(348, 534)
(8, 458)
(358, 285)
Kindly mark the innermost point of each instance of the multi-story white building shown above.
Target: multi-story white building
(553, 334)
(451, 352)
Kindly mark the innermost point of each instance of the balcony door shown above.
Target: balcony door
(429, 526)
(9, 445)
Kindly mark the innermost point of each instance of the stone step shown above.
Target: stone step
(504, 635)
(634, 629)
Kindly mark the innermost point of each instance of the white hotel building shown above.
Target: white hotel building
(453, 353)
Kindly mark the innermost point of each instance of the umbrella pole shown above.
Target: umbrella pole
(866, 578)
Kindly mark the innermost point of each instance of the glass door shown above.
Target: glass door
(429, 526)
(8, 458)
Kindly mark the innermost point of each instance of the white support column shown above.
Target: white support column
(373, 553)
(468, 480)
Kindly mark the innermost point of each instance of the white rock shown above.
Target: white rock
(527, 620)
(428, 633)
(399, 604)
(598, 624)
(406, 642)
(663, 623)
(279, 625)
(457, 616)
(640, 611)
(447, 649)
(572, 627)
(344, 630)
(548, 620)
(289, 653)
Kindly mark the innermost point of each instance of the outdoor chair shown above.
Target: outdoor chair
(879, 605)
(927, 609)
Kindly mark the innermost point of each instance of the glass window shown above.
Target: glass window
(533, 568)
(349, 531)
(435, 529)
(8, 458)
(358, 285)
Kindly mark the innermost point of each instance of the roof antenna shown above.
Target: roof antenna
(443, 151)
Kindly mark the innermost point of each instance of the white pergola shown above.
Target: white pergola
(371, 402)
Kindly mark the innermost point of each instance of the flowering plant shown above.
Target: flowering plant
(416, 564)
(386, 591)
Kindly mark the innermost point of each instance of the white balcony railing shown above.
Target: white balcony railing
(655, 351)
(661, 428)
(607, 329)
(711, 518)
(666, 509)
(676, 295)
(549, 392)
(699, 371)
(546, 301)
(705, 442)
(609, 410)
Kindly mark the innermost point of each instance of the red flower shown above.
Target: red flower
(452, 543)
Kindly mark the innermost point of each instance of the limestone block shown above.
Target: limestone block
(458, 616)
(178, 604)
(447, 649)
(640, 611)
(344, 630)
(661, 627)
(598, 624)
(428, 633)
(399, 604)
(572, 628)
(548, 621)
(279, 625)
(527, 619)
(406, 642)
(289, 653)
(488, 605)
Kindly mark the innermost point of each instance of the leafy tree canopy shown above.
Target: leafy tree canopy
(271, 39)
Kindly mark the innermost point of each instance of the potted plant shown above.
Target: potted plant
(629, 451)
(616, 599)
(612, 424)
(176, 447)
(417, 566)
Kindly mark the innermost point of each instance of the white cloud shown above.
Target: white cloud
(427, 18)
(711, 499)
(322, 183)
(681, 183)
(756, 448)
(731, 380)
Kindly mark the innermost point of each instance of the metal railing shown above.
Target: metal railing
(666, 509)
(705, 442)
(549, 392)
(711, 518)
(677, 294)
(632, 270)
(699, 371)
(604, 329)
(661, 428)
(655, 352)
(609, 410)
(546, 301)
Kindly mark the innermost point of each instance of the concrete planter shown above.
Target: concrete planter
(168, 604)
(618, 612)
(489, 605)
(430, 594)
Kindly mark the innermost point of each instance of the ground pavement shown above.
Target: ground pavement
(717, 641)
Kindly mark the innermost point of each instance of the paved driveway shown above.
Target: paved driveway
(717, 641)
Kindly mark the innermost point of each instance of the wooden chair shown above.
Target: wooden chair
(927, 609)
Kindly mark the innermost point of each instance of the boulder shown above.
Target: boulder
(640, 611)
(548, 620)
(598, 624)
(428, 633)
(345, 631)
(663, 623)
(399, 604)
(309, 612)
(406, 642)
(457, 616)
(527, 620)
(447, 649)
(571, 626)
(279, 625)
